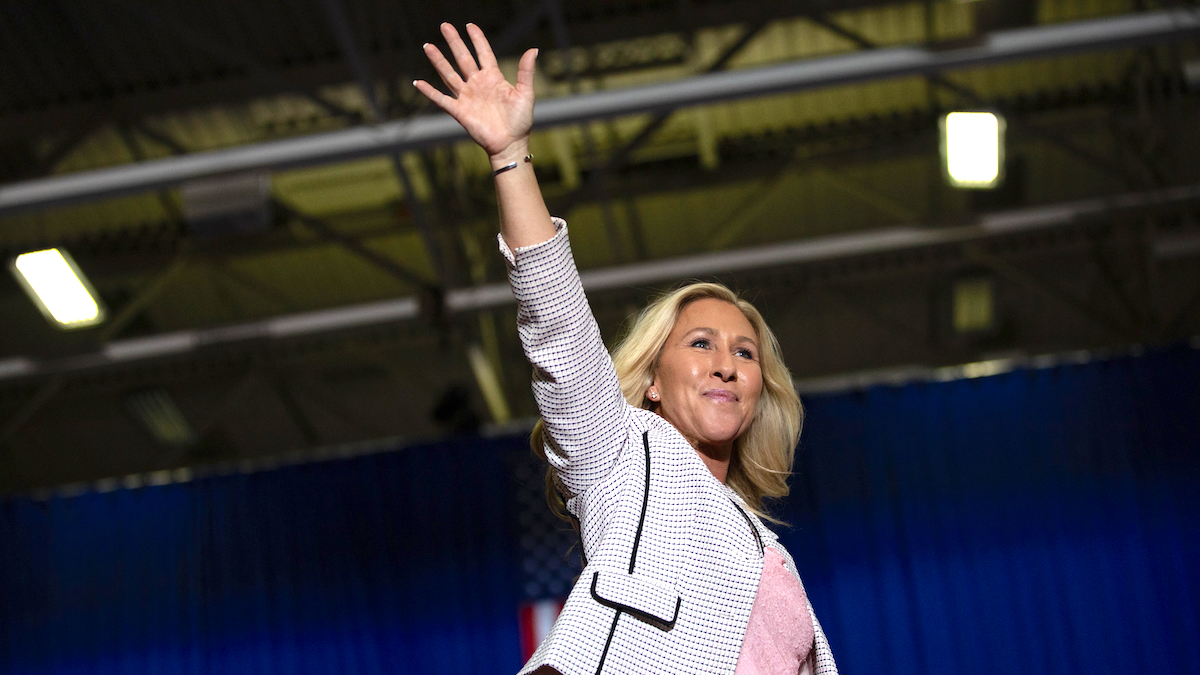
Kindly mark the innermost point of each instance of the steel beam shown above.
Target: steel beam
(620, 156)
(30, 408)
(820, 249)
(1027, 43)
(345, 38)
(159, 20)
(357, 247)
(974, 98)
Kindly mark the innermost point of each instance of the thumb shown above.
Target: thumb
(525, 70)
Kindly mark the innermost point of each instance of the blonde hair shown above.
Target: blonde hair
(762, 456)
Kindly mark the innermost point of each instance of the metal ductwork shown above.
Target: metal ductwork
(625, 276)
(999, 47)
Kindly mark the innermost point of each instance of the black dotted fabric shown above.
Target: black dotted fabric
(695, 543)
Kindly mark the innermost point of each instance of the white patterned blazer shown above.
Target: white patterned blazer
(672, 556)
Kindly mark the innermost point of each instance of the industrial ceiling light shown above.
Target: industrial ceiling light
(59, 289)
(974, 305)
(234, 204)
(973, 149)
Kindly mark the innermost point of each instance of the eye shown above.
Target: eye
(700, 342)
(745, 353)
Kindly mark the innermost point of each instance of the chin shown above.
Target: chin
(722, 435)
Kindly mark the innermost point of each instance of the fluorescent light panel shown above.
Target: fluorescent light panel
(973, 149)
(974, 305)
(59, 289)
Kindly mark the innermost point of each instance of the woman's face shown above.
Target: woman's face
(708, 379)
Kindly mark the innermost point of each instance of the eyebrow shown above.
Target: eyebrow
(711, 331)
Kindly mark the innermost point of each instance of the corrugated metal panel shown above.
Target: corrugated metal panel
(796, 203)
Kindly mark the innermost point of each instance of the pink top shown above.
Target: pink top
(780, 633)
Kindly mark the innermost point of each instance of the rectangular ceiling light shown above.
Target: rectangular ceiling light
(974, 305)
(54, 282)
(973, 149)
(237, 204)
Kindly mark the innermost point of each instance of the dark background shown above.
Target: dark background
(108, 84)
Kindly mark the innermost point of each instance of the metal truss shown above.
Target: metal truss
(1043, 41)
(970, 238)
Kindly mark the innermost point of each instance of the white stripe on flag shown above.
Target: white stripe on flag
(544, 614)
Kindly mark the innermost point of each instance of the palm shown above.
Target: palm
(494, 112)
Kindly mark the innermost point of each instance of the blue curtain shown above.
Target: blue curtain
(1040, 521)
(400, 562)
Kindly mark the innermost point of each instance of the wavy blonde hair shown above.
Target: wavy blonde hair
(762, 456)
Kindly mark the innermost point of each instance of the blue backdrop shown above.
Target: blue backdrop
(1041, 521)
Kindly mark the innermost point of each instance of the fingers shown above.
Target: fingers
(443, 68)
(483, 49)
(441, 100)
(525, 69)
(462, 55)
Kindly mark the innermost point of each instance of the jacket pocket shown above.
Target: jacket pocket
(654, 602)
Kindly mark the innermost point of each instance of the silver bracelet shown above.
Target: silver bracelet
(513, 165)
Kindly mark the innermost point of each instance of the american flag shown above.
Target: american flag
(535, 619)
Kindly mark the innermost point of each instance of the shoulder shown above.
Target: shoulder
(661, 431)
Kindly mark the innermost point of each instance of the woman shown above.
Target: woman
(663, 452)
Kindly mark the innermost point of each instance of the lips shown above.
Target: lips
(722, 395)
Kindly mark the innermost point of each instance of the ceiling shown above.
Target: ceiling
(1102, 169)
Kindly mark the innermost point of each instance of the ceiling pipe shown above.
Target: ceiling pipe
(642, 274)
(363, 141)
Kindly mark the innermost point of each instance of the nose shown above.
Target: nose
(724, 367)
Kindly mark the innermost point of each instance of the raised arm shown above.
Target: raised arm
(498, 116)
(574, 381)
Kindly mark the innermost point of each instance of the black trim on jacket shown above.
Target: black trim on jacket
(637, 540)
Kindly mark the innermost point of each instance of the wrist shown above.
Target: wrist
(513, 153)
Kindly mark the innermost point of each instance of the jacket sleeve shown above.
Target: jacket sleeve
(574, 381)
(820, 659)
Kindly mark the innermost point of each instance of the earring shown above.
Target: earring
(653, 396)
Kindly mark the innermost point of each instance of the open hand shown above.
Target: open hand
(497, 114)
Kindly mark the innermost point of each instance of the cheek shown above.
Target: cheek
(757, 388)
(679, 374)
